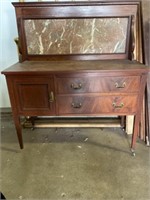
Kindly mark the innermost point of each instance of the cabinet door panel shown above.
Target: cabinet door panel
(33, 95)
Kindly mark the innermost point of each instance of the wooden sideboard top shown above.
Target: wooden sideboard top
(35, 67)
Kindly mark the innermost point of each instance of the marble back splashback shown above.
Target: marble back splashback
(76, 36)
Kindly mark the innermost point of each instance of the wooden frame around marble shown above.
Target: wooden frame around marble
(66, 10)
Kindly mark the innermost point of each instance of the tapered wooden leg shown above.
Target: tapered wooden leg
(19, 131)
(135, 134)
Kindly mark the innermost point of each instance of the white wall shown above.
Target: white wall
(8, 50)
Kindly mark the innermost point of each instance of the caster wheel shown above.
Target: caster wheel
(133, 152)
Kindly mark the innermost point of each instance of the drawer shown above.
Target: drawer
(94, 104)
(96, 84)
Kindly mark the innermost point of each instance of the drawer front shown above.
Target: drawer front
(97, 84)
(93, 104)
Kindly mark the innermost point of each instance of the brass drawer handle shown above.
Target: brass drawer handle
(118, 106)
(76, 105)
(51, 97)
(117, 85)
(76, 86)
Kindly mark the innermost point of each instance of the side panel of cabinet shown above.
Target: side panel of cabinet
(33, 95)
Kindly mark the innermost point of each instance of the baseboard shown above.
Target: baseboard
(5, 110)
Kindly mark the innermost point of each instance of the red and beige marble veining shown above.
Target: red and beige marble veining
(76, 36)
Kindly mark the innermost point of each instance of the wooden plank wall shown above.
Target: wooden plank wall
(146, 26)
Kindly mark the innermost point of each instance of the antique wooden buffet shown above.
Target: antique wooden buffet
(77, 59)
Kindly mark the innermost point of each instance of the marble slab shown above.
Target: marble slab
(76, 36)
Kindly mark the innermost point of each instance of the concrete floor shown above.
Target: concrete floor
(72, 164)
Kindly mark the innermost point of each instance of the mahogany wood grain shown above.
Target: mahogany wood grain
(96, 104)
(88, 84)
(33, 94)
(15, 113)
(122, 67)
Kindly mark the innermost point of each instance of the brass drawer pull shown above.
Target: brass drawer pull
(117, 85)
(51, 97)
(76, 105)
(118, 106)
(76, 86)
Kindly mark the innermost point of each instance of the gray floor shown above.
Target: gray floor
(69, 164)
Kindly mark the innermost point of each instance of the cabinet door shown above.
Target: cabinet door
(35, 96)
